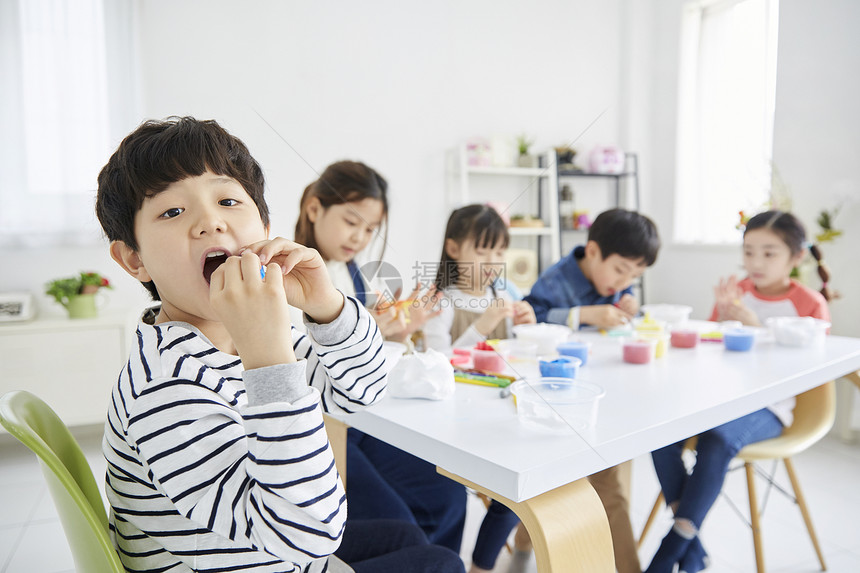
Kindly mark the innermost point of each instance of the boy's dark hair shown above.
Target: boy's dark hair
(341, 182)
(480, 223)
(159, 153)
(625, 233)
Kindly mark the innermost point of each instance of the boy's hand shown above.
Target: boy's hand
(604, 315)
(306, 281)
(499, 310)
(524, 313)
(254, 311)
(628, 304)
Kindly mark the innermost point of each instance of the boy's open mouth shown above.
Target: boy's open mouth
(213, 260)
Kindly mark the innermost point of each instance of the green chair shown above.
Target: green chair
(70, 479)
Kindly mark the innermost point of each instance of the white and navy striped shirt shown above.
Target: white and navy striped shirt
(199, 480)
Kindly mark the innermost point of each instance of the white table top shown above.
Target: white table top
(479, 436)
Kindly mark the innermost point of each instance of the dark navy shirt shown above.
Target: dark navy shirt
(562, 287)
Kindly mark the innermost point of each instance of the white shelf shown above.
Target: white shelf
(542, 185)
(530, 231)
(508, 171)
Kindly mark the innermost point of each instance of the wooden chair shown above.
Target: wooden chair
(814, 415)
(336, 431)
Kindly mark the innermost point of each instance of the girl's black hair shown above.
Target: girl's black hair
(479, 223)
(342, 182)
(789, 228)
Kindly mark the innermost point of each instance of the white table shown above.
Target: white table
(477, 438)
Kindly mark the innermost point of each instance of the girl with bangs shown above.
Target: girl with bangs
(477, 306)
(475, 303)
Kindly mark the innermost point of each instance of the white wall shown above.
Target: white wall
(391, 84)
(396, 86)
(816, 143)
(817, 132)
(387, 83)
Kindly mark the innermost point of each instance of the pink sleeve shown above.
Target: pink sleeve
(820, 310)
(810, 303)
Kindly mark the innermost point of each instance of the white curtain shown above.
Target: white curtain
(725, 123)
(69, 95)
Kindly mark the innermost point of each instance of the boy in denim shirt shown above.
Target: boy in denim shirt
(592, 286)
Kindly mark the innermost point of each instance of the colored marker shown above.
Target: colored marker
(476, 382)
(489, 380)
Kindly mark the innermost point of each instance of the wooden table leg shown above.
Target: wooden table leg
(567, 526)
(855, 378)
(336, 431)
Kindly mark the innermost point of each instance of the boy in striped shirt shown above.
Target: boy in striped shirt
(217, 455)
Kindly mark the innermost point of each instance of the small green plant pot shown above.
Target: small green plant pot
(82, 306)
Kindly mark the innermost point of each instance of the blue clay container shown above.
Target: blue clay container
(738, 339)
(576, 349)
(561, 367)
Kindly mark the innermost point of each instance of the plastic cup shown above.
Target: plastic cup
(546, 336)
(673, 314)
(552, 403)
(517, 350)
(661, 339)
(798, 330)
(576, 348)
(648, 324)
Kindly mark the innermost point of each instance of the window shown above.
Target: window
(68, 66)
(725, 116)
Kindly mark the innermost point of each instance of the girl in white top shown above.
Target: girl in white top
(474, 308)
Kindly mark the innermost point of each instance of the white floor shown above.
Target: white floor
(32, 538)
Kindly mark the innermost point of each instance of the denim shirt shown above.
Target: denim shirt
(563, 286)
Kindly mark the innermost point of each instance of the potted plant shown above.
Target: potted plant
(524, 159)
(77, 294)
(564, 155)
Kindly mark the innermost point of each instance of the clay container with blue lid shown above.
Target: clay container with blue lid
(738, 339)
(576, 348)
(560, 367)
